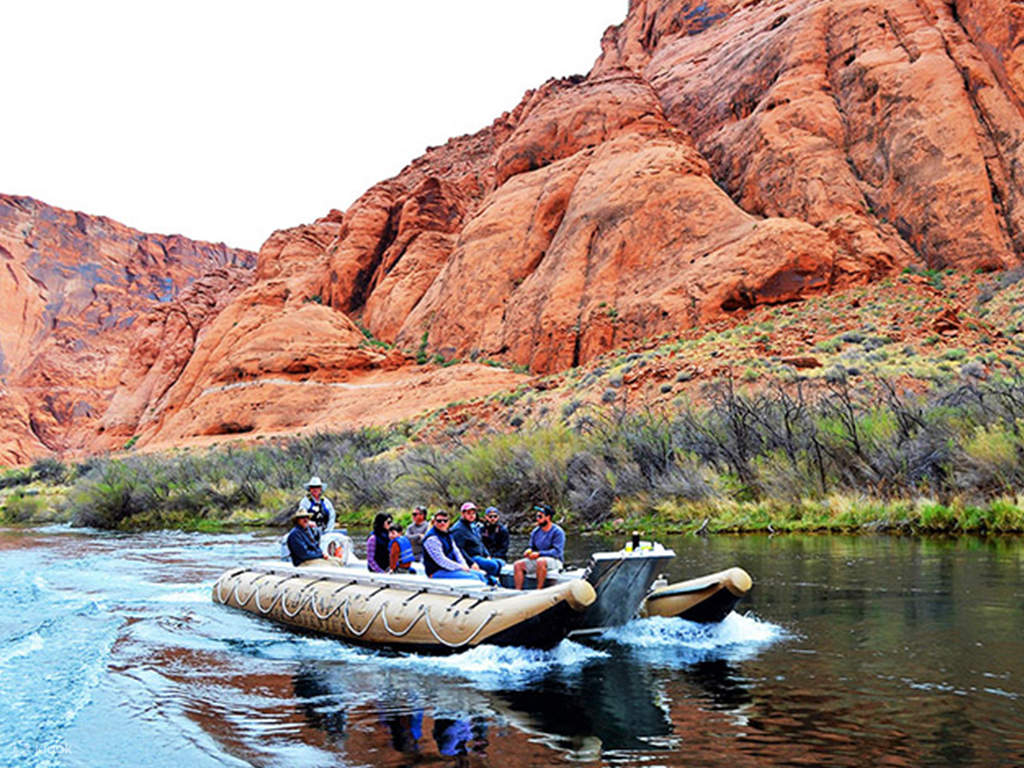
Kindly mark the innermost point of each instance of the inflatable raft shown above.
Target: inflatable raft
(406, 612)
(344, 599)
(707, 599)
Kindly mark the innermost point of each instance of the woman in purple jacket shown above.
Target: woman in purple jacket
(378, 545)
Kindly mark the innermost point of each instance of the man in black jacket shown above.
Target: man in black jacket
(466, 535)
(494, 534)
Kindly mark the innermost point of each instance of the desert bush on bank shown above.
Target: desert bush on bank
(791, 449)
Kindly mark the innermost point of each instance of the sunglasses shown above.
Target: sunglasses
(440, 519)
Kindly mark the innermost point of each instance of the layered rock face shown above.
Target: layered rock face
(98, 320)
(719, 156)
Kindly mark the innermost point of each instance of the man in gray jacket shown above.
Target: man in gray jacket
(416, 530)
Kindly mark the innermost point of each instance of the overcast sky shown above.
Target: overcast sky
(225, 120)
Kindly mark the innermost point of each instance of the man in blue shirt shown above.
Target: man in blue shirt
(546, 551)
(304, 541)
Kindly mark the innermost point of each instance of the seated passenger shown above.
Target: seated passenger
(546, 550)
(495, 535)
(378, 545)
(467, 536)
(441, 555)
(401, 550)
(417, 530)
(304, 541)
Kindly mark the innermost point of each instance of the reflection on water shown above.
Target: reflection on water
(857, 652)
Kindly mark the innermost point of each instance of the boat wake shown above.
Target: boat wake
(492, 667)
(675, 641)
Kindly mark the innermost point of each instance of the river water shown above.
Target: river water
(851, 651)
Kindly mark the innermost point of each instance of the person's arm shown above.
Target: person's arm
(501, 541)
(415, 537)
(331, 516)
(371, 554)
(460, 557)
(556, 544)
(436, 551)
(396, 555)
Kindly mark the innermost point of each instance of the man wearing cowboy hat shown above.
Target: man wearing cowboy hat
(304, 540)
(319, 507)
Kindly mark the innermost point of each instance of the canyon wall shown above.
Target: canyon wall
(720, 155)
(98, 320)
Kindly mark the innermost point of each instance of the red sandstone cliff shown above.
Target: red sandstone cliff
(98, 319)
(720, 155)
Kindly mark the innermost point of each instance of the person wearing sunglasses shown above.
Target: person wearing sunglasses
(466, 534)
(494, 534)
(441, 556)
(546, 551)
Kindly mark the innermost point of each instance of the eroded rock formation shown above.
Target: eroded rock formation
(98, 319)
(720, 155)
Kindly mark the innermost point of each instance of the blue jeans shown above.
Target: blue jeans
(459, 575)
(490, 565)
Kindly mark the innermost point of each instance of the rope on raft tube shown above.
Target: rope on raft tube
(284, 600)
(409, 626)
(468, 640)
(278, 594)
(311, 600)
(335, 609)
(353, 630)
(234, 592)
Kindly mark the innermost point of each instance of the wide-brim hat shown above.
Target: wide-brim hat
(315, 480)
(300, 513)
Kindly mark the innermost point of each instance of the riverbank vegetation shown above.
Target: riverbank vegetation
(797, 456)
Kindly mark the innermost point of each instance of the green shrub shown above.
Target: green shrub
(21, 507)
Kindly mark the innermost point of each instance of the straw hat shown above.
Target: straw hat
(300, 513)
(315, 480)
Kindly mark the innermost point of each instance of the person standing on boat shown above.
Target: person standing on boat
(466, 534)
(495, 535)
(546, 550)
(416, 530)
(303, 541)
(441, 556)
(321, 511)
(378, 545)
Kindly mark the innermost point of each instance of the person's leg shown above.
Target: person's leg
(519, 573)
(542, 572)
(460, 575)
(489, 565)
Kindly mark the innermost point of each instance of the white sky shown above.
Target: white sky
(224, 120)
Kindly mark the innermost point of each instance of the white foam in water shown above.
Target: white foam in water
(30, 644)
(735, 637)
(200, 594)
(490, 666)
